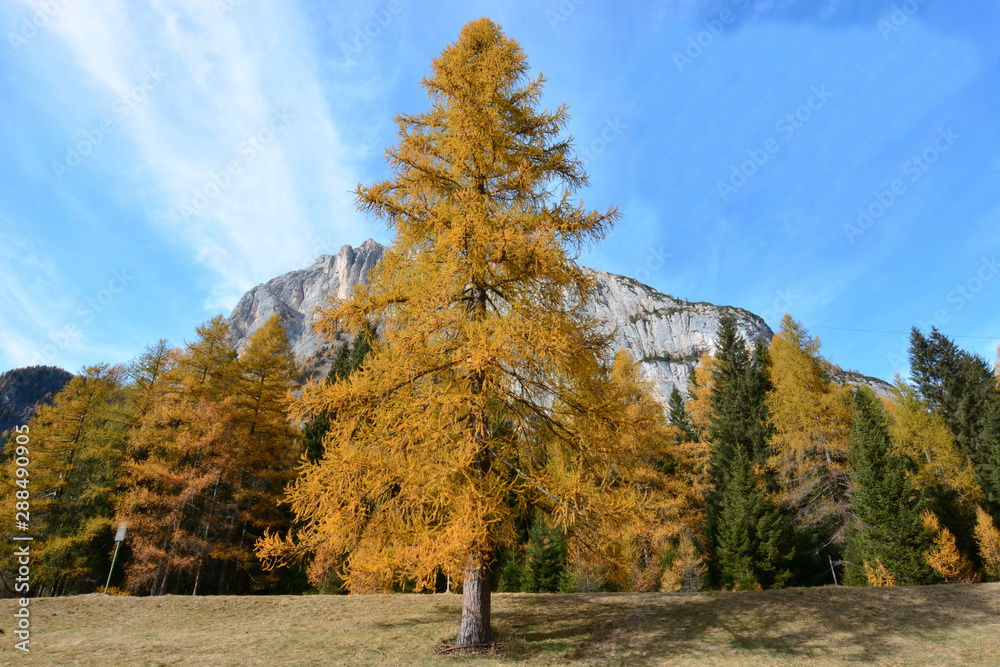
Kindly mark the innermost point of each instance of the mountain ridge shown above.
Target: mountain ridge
(665, 334)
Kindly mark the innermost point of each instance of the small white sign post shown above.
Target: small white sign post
(119, 537)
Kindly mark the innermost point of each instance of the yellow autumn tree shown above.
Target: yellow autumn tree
(179, 466)
(944, 557)
(686, 570)
(922, 435)
(209, 460)
(267, 447)
(699, 407)
(489, 389)
(878, 574)
(988, 538)
(811, 417)
(699, 404)
(75, 446)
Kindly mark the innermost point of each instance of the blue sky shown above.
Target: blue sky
(836, 159)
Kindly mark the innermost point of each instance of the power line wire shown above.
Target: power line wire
(902, 333)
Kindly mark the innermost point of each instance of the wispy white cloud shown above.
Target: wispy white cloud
(36, 314)
(235, 156)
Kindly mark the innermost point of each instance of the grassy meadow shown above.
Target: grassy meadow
(928, 625)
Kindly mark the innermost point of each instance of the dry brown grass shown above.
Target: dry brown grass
(931, 625)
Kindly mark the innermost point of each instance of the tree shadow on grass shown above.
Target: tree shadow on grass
(846, 624)
(410, 616)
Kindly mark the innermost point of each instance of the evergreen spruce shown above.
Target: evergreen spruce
(988, 466)
(544, 559)
(679, 417)
(887, 527)
(738, 426)
(753, 543)
(542, 568)
(962, 388)
(739, 416)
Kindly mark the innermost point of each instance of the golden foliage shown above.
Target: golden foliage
(944, 556)
(209, 458)
(988, 538)
(686, 573)
(75, 445)
(922, 435)
(490, 389)
(699, 404)
(878, 575)
(811, 417)
(696, 453)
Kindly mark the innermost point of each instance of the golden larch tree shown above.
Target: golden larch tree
(267, 447)
(699, 404)
(180, 459)
(811, 417)
(75, 447)
(878, 575)
(489, 390)
(988, 539)
(178, 462)
(210, 458)
(923, 436)
(944, 556)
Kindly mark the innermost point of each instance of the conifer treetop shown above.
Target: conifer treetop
(483, 183)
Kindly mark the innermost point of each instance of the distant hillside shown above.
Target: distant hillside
(22, 389)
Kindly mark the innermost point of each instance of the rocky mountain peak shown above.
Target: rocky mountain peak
(667, 335)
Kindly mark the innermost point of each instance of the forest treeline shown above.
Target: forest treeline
(776, 475)
(193, 447)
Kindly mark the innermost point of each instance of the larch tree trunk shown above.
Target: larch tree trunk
(475, 627)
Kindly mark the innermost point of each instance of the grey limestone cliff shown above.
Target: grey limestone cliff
(296, 295)
(666, 334)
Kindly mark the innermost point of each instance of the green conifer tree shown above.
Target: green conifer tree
(738, 422)
(739, 416)
(679, 417)
(544, 559)
(962, 388)
(887, 528)
(753, 543)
